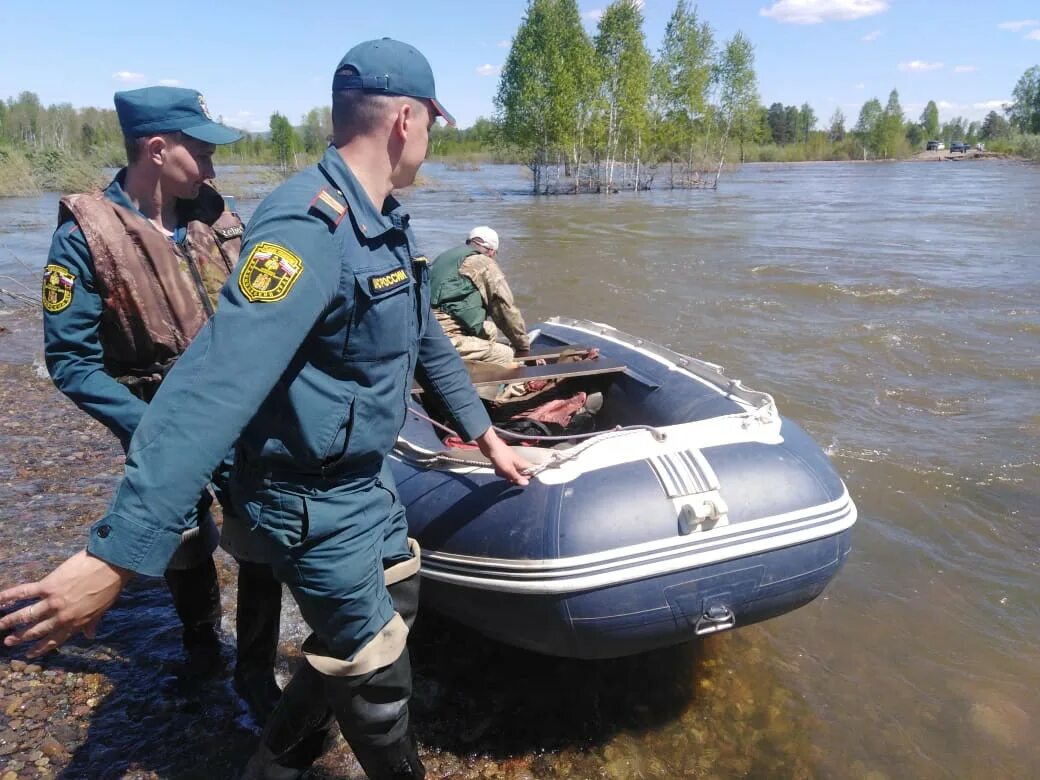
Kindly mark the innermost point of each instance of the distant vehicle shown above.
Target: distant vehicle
(959, 146)
(981, 147)
(933, 146)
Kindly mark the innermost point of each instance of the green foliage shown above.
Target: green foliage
(1024, 113)
(837, 126)
(283, 140)
(994, 127)
(930, 120)
(624, 64)
(681, 79)
(738, 93)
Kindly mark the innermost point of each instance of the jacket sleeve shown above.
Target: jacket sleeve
(486, 274)
(72, 347)
(441, 371)
(209, 396)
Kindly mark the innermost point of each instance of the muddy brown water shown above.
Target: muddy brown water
(892, 310)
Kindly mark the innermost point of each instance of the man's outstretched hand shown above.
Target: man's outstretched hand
(71, 598)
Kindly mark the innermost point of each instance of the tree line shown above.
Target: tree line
(584, 112)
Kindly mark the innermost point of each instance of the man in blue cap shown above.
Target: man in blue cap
(317, 338)
(134, 272)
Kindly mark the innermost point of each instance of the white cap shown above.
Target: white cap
(484, 235)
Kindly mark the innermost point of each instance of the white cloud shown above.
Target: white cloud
(128, 77)
(488, 70)
(965, 69)
(870, 37)
(504, 44)
(861, 85)
(1033, 36)
(170, 82)
(816, 11)
(946, 104)
(1019, 25)
(919, 66)
(593, 15)
(991, 105)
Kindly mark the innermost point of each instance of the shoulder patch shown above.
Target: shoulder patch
(269, 273)
(386, 282)
(58, 284)
(330, 206)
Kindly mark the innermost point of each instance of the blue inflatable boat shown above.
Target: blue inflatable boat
(692, 508)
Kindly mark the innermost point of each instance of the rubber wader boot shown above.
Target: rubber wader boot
(196, 597)
(372, 711)
(258, 619)
(298, 731)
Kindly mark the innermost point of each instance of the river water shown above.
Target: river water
(891, 309)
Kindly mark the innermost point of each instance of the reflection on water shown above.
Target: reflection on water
(891, 310)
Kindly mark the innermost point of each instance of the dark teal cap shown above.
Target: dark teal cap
(390, 67)
(158, 110)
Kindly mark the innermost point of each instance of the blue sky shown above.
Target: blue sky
(250, 59)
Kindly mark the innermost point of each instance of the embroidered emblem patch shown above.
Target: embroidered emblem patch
(383, 283)
(269, 273)
(58, 283)
(205, 108)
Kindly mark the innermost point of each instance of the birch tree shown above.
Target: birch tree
(625, 64)
(681, 78)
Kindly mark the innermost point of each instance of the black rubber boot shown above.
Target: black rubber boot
(405, 595)
(196, 597)
(298, 731)
(258, 619)
(372, 711)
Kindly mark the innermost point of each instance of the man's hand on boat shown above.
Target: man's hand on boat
(507, 463)
(70, 599)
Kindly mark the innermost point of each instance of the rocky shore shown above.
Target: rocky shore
(121, 707)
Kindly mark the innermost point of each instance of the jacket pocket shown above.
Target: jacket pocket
(381, 327)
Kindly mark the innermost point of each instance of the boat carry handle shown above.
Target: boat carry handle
(714, 619)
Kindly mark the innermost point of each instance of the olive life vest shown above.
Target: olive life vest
(156, 294)
(453, 293)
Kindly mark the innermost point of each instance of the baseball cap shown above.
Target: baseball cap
(485, 235)
(158, 110)
(390, 67)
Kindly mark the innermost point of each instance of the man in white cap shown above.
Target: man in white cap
(473, 302)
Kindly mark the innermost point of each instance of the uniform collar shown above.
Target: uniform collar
(206, 208)
(369, 220)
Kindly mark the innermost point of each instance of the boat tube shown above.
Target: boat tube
(693, 508)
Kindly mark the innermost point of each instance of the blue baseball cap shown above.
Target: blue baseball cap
(390, 67)
(158, 110)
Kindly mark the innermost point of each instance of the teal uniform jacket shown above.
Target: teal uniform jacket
(72, 348)
(309, 358)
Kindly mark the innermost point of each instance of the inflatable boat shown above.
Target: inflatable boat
(691, 507)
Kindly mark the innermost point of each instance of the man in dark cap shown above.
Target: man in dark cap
(134, 272)
(317, 338)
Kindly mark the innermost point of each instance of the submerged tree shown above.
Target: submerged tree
(542, 100)
(681, 79)
(738, 93)
(624, 63)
